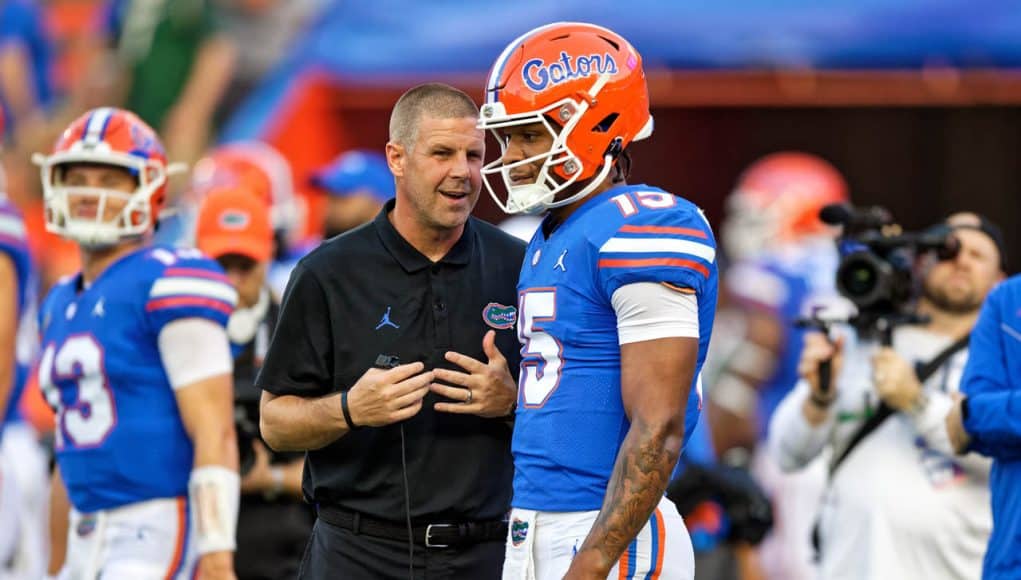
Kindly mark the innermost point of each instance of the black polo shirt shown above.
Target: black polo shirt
(369, 292)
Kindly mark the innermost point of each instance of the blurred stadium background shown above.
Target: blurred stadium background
(915, 101)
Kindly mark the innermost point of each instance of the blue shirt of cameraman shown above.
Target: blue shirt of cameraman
(992, 382)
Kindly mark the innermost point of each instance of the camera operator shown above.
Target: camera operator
(899, 503)
(273, 523)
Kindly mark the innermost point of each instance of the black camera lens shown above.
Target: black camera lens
(858, 279)
(864, 279)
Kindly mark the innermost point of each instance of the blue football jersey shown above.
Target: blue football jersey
(789, 283)
(14, 244)
(119, 436)
(570, 420)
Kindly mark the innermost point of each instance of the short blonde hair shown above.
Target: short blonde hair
(437, 100)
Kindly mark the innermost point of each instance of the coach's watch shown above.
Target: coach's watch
(964, 409)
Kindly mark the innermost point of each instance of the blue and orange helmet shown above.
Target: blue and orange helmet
(113, 137)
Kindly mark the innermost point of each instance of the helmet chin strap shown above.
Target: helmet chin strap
(528, 199)
(535, 194)
(593, 183)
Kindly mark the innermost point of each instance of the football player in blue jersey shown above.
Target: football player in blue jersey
(782, 266)
(23, 462)
(136, 363)
(616, 302)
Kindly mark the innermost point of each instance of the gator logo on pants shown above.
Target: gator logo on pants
(519, 531)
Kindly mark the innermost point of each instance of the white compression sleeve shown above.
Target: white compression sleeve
(650, 310)
(193, 349)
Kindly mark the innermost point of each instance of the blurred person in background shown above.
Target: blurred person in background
(25, 68)
(986, 419)
(261, 170)
(171, 63)
(136, 364)
(358, 184)
(782, 265)
(23, 462)
(234, 229)
(262, 31)
(26, 94)
(898, 503)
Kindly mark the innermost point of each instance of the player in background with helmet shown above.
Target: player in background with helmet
(23, 462)
(783, 262)
(616, 302)
(136, 363)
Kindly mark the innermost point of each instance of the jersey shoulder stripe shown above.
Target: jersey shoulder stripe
(673, 234)
(185, 283)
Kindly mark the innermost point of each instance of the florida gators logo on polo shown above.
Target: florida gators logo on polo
(499, 316)
(519, 531)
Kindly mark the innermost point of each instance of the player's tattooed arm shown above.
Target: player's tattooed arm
(655, 380)
(640, 477)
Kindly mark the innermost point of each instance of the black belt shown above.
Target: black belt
(438, 535)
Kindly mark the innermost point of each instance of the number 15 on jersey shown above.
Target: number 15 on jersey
(541, 354)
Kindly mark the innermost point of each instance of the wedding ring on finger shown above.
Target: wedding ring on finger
(468, 400)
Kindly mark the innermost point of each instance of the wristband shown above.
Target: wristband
(964, 409)
(347, 412)
(214, 493)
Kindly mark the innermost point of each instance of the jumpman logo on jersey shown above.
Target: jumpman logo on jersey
(560, 262)
(99, 310)
(385, 321)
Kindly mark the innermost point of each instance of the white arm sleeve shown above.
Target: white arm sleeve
(793, 442)
(650, 310)
(194, 349)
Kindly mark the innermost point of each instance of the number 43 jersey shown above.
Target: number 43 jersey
(570, 420)
(119, 436)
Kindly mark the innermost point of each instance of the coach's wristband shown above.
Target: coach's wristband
(347, 412)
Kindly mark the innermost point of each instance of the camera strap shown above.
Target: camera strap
(923, 371)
